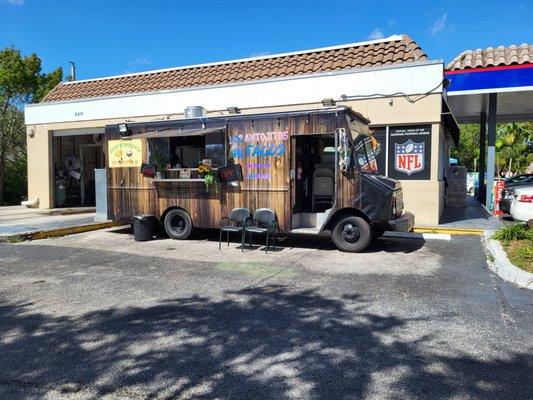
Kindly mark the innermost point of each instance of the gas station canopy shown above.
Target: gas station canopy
(507, 71)
(490, 86)
(511, 106)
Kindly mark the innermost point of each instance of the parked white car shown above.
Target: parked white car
(522, 205)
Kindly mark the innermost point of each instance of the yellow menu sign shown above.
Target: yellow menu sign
(125, 153)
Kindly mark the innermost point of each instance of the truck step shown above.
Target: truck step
(308, 231)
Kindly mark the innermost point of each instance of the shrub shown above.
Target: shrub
(16, 184)
(514, 232)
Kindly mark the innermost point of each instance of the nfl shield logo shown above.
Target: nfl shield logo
(409, 157)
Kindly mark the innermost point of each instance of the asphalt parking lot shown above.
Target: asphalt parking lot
(98, 315)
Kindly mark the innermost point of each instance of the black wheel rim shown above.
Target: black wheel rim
(350, 233)
(178, 224)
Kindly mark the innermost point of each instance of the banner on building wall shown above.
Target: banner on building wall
(409, 152)
(125, 153)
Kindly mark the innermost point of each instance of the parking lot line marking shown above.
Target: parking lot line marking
(418, 235)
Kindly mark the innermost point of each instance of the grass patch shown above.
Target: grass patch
(517, 241)
(520, 253)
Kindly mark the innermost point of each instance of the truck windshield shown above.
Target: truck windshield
(364, 154)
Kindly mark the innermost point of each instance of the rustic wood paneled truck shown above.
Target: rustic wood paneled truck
(316, 169)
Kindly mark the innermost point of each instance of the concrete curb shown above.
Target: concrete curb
(503, 267)
(449, 231)
(418, 235)
(57, 232)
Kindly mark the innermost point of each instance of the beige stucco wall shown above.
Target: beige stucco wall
(423, 198)
(39, 144)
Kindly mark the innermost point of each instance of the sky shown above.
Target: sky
(110, 37)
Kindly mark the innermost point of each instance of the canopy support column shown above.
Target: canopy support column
(491, 149)
(482, 143)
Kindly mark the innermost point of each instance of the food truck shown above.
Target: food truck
(316, 169)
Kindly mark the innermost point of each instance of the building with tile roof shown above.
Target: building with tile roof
(397, 50)
(390, 81)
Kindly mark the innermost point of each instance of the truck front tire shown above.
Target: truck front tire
(178, 224)
(352, 234)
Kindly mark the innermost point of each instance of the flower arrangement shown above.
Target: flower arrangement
(209, 176)
(203, 169)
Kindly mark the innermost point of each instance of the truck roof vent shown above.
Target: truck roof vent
(195, 112)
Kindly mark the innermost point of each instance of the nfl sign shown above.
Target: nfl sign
(409, 157)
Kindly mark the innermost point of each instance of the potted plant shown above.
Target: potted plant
(209, 176)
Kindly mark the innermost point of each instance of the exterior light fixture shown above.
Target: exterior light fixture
(234, 110)
(329, 102)
(31, 132)
(123, 130)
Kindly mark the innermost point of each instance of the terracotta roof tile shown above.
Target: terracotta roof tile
(492, 57)
(394, 50)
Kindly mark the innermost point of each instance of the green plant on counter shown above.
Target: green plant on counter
(209, 179)
(514, 232)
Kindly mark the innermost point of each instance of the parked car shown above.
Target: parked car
(472, 180)
(521, 179)
(522, 205)
(511, 184)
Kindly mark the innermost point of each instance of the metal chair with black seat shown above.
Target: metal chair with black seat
(264, 221)
(234, 223)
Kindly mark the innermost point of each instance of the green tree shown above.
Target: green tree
(513, 146)
(513, 142)
(21, 81)
(468, 149)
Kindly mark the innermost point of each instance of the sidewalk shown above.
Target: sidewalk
(28, 222)
(473, 218)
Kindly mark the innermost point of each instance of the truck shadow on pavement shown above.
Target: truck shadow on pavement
(264, 342)
(322, 242)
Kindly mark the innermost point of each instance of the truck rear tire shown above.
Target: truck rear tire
(178, 224)
(352, 234)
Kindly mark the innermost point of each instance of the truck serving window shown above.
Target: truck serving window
(188, 151)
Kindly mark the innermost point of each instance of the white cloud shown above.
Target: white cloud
(141, 61)
(260, 53)
(376, 34)
(439, 24)
(16, 2)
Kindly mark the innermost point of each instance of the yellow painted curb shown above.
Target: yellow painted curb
(69, 231)
(449, 231)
